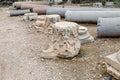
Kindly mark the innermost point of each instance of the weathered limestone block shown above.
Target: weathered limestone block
(115, 73)
(84, 35)
(112, 60)
(113, 65)
(30, 16)
(65, 42)
(50, 20)
(45, 22)
(40, 23)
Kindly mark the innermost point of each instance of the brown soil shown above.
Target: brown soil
(20, 48)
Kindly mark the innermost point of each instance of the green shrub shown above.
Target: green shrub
(103, 2)
(117, 3)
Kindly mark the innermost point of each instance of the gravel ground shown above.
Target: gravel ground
(20, 60)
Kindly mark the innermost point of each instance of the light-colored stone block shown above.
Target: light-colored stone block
(45, 22)
(113, 72)
(84, 35)
(30, 16)
(112, 61)
(65, 42)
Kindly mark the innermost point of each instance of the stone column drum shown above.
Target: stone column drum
(50, 20)
(45, 22)
(65, 42)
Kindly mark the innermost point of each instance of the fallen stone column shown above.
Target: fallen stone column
(65, 42)
(62, 11)
(30, 16)
(28, 6)
(18, 4)
(41, 9)
(108, 27)
(89, 16)
(18, 12)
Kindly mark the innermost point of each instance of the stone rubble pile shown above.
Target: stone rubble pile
(67, 37)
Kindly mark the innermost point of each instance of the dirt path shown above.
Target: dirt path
(19, 54)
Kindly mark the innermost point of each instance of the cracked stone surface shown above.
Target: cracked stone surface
(65, 42)
(44, 23)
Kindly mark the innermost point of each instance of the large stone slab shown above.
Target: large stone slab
(113, 61)
(113, 72)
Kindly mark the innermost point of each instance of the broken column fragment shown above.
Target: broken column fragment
(19, 3)
(50, 20)
(19, 12)
(65, 42)
(40, 23)
(45, 22)
(84, 35)
(30, 16)
(108, 27)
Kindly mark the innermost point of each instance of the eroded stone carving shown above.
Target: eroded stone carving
(40, 23)
(44, 22)
(65, 42)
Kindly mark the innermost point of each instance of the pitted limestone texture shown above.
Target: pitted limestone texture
(30, 16)
(65, 42)
(44, 22)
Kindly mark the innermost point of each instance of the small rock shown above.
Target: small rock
(108, 77)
